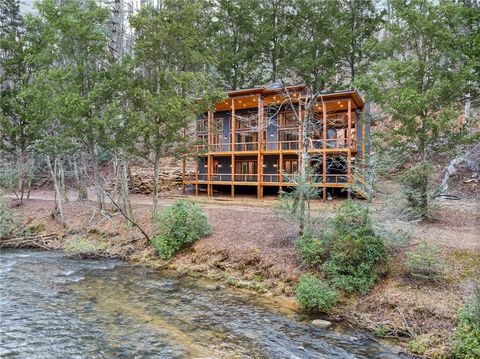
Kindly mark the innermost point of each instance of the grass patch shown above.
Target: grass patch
(423, 262)
(86, 248)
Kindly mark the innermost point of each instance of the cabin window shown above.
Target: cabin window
(288, 139)
(203, 139)
(246, 137)
(290, 166)
(286, 118)
(288, 135)
(217, 166)
(217, 125)
(248, 121)
(202, 125)
(218, 138)
(246, 167)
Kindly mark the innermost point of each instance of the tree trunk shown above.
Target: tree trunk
(81, 174)
(124, 193)
(97, 179)
(21, 174)
(156, 165)
(304, 166)
(58, 198)
(63, 189)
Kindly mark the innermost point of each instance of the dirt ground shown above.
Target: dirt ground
(252, 247)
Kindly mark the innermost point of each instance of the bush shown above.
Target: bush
(356, 255)
(423, 262)
(466, 340)
(179, 225)
(10, 224)
(314, 294)
(416, 188)
(310, 249)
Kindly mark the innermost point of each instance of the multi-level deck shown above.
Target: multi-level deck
(254, 139)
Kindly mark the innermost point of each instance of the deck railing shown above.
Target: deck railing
(266, 178)
(331, 143)
(314, 144)
(281, 145)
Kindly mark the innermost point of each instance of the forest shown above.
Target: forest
(90, 88)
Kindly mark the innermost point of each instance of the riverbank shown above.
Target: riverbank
(53, 305)
(251, 248)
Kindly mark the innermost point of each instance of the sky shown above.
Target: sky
(26, 6)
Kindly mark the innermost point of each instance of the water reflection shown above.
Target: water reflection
(55, 307)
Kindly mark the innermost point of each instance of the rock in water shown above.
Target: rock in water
(321, 323)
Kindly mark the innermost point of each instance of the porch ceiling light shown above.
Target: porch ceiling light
(264, 165)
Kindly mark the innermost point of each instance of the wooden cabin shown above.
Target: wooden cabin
(252, 142)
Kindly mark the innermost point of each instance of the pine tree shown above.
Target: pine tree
(19, 129)
(420, 84)
(236, 43)
(171, 56)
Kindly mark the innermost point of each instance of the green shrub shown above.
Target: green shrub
(466, 340)
(356, 255)
(314, 294)
(423, 262)
(416, 188)
(10, 224)
(310, 249)
(179, 225)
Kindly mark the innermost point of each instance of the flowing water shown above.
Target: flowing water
(56, 307)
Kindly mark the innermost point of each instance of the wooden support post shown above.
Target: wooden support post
(232, 127)
(209, 183)
(349, 150)
(300, 142)
(210, 130)
(280, 166)
(259, 169)
(184, 165)
(232, 146)
(364, 134)
(260, 125)
(209, 140)
(233, 176)
(196, 176)
(324, 151)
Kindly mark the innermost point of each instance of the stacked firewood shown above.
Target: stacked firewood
(141, 178)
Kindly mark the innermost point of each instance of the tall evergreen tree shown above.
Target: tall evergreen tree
(313, 56)
(361, 21)
(18, 128)
(77, 42)
(420, 84)
(274, 28)
(236, 43)
(170, 58)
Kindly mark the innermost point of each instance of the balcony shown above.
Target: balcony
(277, 146)
(272, 179)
